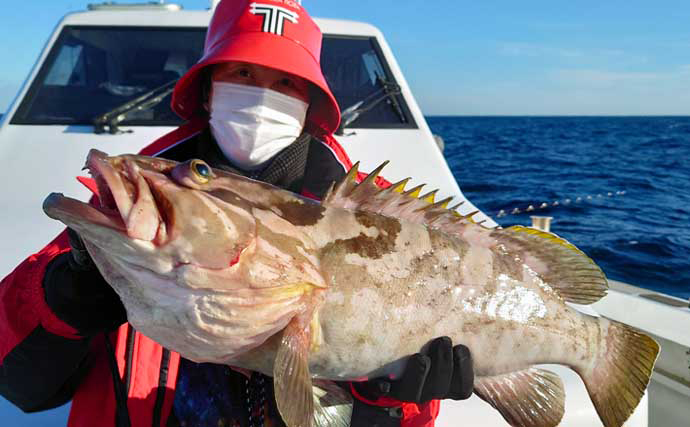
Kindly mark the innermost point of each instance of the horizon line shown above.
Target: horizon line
(557, 115)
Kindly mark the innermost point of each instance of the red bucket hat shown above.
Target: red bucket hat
(273, 33)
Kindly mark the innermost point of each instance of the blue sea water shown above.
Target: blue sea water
(641, 237)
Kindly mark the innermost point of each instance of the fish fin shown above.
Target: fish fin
(396, 202)
(344, 186)
(621, 371)
(529, 398)
(333, 405)
(291, 377)
(574, 276)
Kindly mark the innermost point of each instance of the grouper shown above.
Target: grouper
(228, 270)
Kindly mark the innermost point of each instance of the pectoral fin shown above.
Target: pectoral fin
(529, 398)
(291, 377)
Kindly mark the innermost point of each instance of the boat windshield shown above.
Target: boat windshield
(92, 70)
(357, 72)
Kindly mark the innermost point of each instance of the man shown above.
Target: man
(256, 104)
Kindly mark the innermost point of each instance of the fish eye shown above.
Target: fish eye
(201, 172)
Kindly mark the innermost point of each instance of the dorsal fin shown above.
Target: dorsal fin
(395, 201)
(560, 264)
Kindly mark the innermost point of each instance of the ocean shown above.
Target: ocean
(616, 187)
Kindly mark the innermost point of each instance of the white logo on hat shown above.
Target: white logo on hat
(274, 16)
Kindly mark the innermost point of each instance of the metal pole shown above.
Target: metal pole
(542, 223)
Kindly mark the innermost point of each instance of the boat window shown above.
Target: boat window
(356, 71)
(91, 70)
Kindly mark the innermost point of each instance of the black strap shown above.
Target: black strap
(129, 356)
(256, 399)
(160, 392)
(121, 411)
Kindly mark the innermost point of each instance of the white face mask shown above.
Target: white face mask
(252, 124)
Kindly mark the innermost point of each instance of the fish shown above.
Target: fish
(224, 269)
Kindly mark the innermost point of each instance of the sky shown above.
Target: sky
(497, 57)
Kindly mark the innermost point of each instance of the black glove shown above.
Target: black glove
(78, 294)
(440, 372)
(80, 259)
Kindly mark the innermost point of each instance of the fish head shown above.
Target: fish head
(159, 214)
(179, 244)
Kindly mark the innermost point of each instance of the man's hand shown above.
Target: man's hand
(441, 372)
(78, 294)
(80, 259)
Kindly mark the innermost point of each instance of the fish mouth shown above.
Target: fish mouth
(125, 201)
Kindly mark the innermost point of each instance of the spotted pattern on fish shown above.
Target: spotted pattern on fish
(504, 263)
(297, 259)
(301, 213)
(373, 247)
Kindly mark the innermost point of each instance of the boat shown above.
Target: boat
(103, 80)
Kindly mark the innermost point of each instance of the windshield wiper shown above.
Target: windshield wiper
(148, 100)
(388, 90)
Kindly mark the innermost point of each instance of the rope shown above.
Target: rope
(561, 202)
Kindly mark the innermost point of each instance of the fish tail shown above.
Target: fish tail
(618, 374)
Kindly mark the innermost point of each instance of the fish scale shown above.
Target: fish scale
(347, 289)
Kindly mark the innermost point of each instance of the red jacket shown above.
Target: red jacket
(148, 370)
